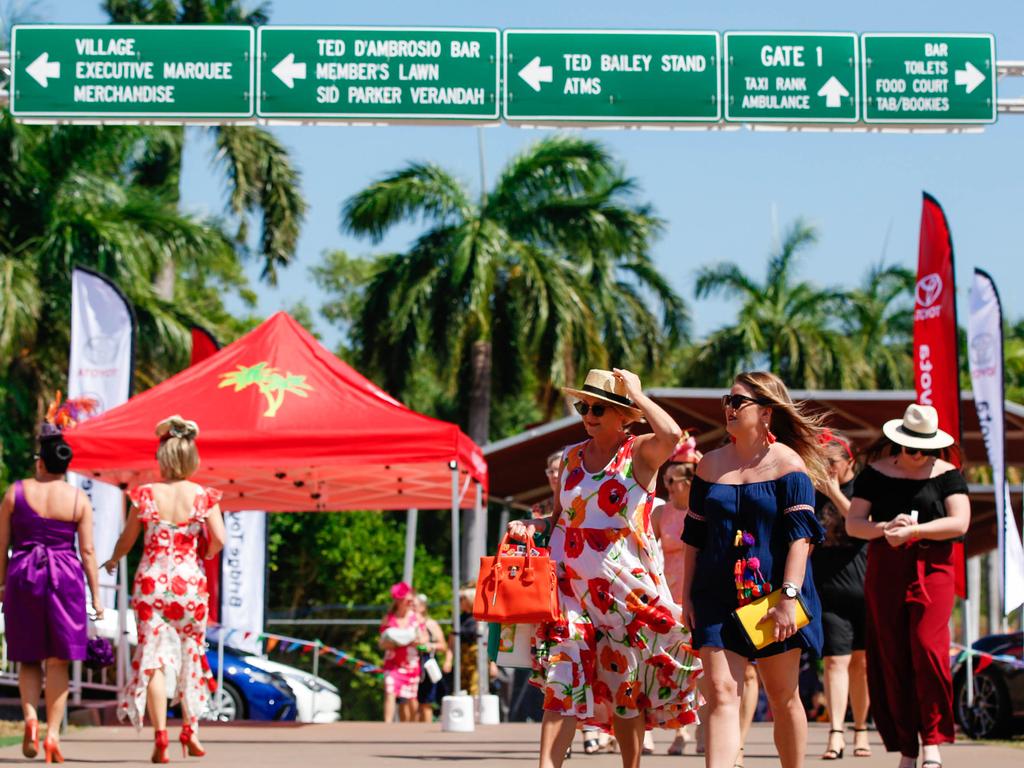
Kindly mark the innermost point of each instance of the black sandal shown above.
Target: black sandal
(591, 746)
(861, 751)
(835, 754)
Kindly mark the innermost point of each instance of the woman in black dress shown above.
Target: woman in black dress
(839, 566)
(912, 504)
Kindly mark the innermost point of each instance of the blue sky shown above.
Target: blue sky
(719, 192)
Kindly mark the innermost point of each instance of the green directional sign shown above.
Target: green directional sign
(612, 76)
(378, 73)
(120, 71)
(929, 78)
(791, 77)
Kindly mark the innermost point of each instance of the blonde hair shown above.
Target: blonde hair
(791, 424)
(177, 455)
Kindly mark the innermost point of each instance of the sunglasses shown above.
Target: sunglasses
(584, 408)
(738, 401)
(914, 451)
(684, 478)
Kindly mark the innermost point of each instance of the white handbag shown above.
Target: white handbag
(515, 646)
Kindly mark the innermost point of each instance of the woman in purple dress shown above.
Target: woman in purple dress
(43, 587)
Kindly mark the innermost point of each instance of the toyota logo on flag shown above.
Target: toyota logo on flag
(929, 289)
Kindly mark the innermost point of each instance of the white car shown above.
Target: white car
(308, 690)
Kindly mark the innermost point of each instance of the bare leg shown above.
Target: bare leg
(56, 696)
(629, 732)
(389, 707)
(748, 706)
(156, 700)
(425, 713)
(407, 710)
(780, 675)
(837, 692)
(722, 685)
(30, 686)
(556, 735)
(860, 702)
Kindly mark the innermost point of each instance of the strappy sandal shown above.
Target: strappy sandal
(861, 751)
(591, 746)
(677, 745)
(739, 759)
(933, 763)
(834, 754)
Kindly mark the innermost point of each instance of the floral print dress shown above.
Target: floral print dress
(619, 648)
(170, 602)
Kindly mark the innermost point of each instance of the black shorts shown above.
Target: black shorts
(842, 619)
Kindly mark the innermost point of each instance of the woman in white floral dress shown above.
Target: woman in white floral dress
(169, 595)
(619, 656)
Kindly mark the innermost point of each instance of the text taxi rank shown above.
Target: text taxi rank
(408, 71)
(135, 70)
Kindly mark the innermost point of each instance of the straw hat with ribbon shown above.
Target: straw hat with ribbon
(602, 385)
(919, 428)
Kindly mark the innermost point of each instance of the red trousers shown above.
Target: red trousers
(909, 596)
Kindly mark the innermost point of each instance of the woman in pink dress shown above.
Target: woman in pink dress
(667, 523)
(401, 633)
(169, 595)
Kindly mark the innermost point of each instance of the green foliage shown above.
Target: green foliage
(344, 563)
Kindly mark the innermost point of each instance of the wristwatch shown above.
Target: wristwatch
(789, 591)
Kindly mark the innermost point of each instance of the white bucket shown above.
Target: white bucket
(457, 714)
(488, 710)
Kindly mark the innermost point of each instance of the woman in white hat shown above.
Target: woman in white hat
(911, 503)
(619, 656)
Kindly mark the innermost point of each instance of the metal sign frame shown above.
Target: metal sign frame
(629, 122)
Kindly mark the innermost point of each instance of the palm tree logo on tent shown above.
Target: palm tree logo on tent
(271, 383)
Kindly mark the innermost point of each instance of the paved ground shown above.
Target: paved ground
(374, 744)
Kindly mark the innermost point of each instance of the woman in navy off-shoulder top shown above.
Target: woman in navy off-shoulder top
(749, 532)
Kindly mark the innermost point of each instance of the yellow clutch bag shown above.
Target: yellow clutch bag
(760, 630)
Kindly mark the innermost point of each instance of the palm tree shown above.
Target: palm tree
(785, 325)
(68, 196)
(259, 174)
(550, 267)
(879, 321)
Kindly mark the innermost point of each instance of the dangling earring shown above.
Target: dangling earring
(732, 439)
(769, 435)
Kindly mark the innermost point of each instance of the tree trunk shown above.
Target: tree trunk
(473, 528)
(164, 282)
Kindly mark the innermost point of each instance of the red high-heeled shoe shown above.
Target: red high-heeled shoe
(52, 749)
(30, 741)
(189, 747)
(160, 743)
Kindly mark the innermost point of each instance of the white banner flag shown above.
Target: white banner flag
(100, 367)
(242, 579)
(985, 347)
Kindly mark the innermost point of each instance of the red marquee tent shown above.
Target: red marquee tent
(287, 426)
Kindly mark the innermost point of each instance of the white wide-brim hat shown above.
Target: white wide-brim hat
(602, 385)
(919, 428)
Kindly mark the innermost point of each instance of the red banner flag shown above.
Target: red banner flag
(936, 350)
(204, 346)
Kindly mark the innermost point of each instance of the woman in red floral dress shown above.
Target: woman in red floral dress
(169, 594)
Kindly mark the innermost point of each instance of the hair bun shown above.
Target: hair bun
(176, 426)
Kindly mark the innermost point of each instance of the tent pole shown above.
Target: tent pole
(410, 544)
(483, 668)
(456, 624)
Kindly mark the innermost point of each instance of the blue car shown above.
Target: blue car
(248, 693)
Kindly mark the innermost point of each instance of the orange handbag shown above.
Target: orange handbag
(516, 589)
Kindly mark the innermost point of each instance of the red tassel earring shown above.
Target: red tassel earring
(769, 435)
(732, 439)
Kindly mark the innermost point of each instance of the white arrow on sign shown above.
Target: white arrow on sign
(534, 74)
(288, 70)
(969, 76)
(834, 92)
(42, 70)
